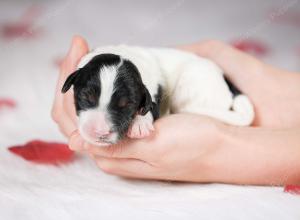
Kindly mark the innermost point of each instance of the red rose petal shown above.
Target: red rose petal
(251, 46)
(44, 152)
(7, 103)
(24, 26)
(290, 18)
(294, 189)
(10, 31)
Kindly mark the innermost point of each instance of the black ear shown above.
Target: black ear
(146, 103)
(69, 82)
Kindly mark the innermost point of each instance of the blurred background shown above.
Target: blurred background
(35, 36)
(49, 25)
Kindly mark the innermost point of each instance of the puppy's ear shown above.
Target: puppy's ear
(69, 81)
(146, 103)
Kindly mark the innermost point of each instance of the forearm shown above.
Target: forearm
(257, 156)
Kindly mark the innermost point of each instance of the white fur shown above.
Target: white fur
(192, 84)
(107, 76)
(196, 85)
(88, 117)
(141, 126)
(82, 120)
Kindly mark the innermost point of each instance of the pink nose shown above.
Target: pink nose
(98, 127)
(101, 133)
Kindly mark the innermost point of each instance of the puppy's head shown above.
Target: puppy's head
(108, 93)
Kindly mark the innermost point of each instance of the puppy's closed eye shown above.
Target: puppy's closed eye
(91, 98)
(88, 96)
(123, 102)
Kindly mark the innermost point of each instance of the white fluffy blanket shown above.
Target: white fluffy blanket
(80, 190)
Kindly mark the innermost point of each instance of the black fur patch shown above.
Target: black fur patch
(156, 104)
(234, 90)
(128, 86)
(86, 82)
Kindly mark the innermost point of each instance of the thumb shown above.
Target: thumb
(78, 49)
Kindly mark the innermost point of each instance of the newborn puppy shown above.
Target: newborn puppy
(121, 90)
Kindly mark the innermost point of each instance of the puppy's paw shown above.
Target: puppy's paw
(141, 127)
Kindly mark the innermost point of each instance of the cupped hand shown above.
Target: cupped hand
(173, 152)
(63, 110)
(183, 146)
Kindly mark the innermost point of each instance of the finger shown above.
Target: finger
(65, 120)
(76, 142)
(126, 167)
(243, 69)
(128, 148)
(69, 106)
(78, 49)
(63, 111)
(66, 125)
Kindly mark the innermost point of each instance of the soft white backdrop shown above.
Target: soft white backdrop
(28, 71)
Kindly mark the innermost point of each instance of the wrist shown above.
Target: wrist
(221, 160)
(248, 155)
(213, 156)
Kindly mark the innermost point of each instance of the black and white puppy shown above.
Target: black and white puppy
(121, 90)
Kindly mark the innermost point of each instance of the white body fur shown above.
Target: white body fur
(191, 84)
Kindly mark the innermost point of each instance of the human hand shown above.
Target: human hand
(63, 110)
(179, 149)
(197, 148)
(275, 93)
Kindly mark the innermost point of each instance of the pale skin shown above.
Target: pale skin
(194, 148)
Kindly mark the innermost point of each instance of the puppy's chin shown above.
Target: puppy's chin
(112, 139)
(101, 144)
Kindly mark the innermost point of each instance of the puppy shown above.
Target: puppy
(121, 90)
